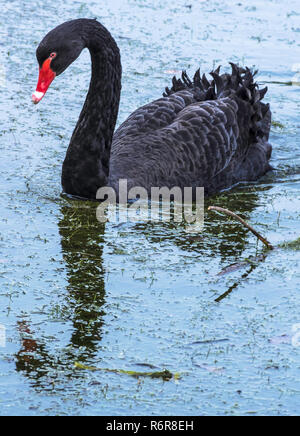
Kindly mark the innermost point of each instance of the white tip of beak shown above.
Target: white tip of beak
(37, 97)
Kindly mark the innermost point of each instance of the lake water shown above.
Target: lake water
(141, 297)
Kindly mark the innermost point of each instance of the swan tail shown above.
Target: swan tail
(240, 84)
(202, 87)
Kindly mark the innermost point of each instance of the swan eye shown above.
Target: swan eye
(52, 55)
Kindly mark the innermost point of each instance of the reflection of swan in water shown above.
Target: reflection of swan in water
(82, 245)
(221, 236)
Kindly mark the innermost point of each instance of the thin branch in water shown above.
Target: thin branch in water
(238, 218)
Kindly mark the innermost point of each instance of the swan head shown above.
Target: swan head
(58, 49)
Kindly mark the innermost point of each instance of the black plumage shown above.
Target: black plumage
(207, 133)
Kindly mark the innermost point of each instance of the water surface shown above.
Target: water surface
(119, 297)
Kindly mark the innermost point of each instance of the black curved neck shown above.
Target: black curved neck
(86, 165)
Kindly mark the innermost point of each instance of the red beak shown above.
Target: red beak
(46, 76)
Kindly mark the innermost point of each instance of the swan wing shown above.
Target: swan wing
(176, 140)
(197, 133)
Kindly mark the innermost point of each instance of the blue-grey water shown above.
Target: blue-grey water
(115, 297)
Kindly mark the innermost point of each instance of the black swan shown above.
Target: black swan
(205, 133)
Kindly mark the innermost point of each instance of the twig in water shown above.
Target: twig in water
(238, 218)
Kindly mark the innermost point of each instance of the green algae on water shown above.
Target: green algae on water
(166, 375)
(277, 124)
(292, 245)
